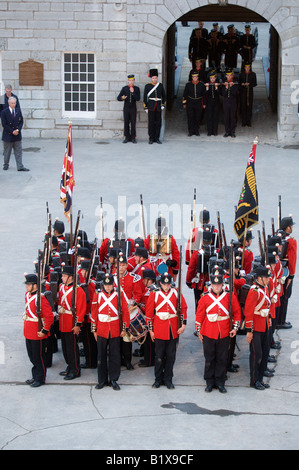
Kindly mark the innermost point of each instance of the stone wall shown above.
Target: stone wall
(126, 36)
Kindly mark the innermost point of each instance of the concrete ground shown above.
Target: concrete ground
(74, 415)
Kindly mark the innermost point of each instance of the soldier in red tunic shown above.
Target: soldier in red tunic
(88, 340)
(108, 328)
(162, 321)
(214, 330)
(36, 338)
(248, 255)
(290, 257)
(132, 288)
(258, 323)
(68, 325)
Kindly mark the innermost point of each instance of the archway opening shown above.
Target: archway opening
(266, 65)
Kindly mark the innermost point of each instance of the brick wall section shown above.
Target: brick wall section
(127, 37)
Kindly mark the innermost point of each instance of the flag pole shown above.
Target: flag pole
(244, 241)
(71, 208)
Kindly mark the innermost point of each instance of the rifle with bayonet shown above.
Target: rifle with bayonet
(76, 233)
(101, 222)
(224, 239)
(47, 242)
(265, 243)
(219, 232)
(272, 226)
(231, 282)
(279, 213)
(75, 285)
(260, 243)
(179, 298)
(89, 271)
(39, 290)
(142, 218)
(119, 295)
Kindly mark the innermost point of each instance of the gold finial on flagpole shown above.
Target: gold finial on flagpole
(70, 121)
(255, 140)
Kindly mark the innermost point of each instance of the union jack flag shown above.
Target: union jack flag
(247, 213)
(67, 182)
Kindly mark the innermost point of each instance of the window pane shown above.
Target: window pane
(79, 85)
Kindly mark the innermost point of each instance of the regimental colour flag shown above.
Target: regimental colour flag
(247, 212)
(67, 182)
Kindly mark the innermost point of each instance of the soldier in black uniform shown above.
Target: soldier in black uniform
(231, 46)
(229, 91)
(214, 49)
(212, 103)
(200, 68)
(130, 94)
(247, 81)
(194, 102)
(247, 45)
(154, 101)
(198, 47)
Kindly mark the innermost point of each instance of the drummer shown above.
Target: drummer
(142, 260)
(147, 349)
(163, 249)
(132, 288)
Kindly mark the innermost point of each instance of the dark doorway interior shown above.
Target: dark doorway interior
(176, 68)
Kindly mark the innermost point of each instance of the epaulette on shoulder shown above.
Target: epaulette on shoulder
(254, 287)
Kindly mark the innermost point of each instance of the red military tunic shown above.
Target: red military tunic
(291, 255)
(91, 292)
(272, 294)
(212, 314)
(192, 272)
(257, 308)
(104, 314)
(64, 307)
(31, 327)
(161, 313)
(132, 287)
(248, 258)
(278, 274)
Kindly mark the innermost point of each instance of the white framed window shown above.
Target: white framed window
(79, 85)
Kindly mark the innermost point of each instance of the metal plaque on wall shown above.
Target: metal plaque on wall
(31, 73)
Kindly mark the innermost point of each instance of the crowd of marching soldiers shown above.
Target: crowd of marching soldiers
(124, 291)
(212, 82)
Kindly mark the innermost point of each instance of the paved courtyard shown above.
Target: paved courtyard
(74, 415)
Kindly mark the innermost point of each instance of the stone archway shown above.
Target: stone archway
(156, 20)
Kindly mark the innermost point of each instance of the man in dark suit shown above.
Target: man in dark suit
(130, 94)
(12, 123)
(4, 98)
